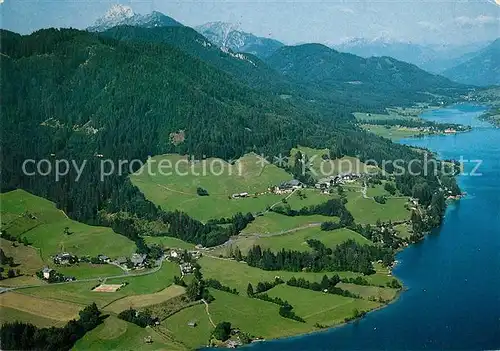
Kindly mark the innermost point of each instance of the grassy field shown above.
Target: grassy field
(296, 240)
(116, 334)
(309, 197)
(27, 260)
(51, 309)
(140, 301)
(87, 270)
(318, 307)
(397, 113)
(177, 325)
(257, 317)
(367, 211)
(367, 292)
(238, 275)
(273, 222)
(178, 190)
(404, 231)
(81, 292)
(392, 133)
(9, 315)
(328, 168)
(168, 242)
(37, 219)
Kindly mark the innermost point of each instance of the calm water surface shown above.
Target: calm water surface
(453, 276)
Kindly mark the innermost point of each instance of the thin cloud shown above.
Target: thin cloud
(479, 21)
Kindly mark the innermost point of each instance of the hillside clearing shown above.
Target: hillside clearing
(140, 301)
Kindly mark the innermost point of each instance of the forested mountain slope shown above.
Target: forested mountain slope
(75, 95)
(482, 69)
(368, 81)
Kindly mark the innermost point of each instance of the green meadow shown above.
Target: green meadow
(272, 222)
(168, 242)
(392, 133)
(319, 307)
(367, 211)
(116, 334)
(177, 191)
(239, 274)
(81, 292)
(324, 168)
(43, 225)
(9, 315)
(296, 240)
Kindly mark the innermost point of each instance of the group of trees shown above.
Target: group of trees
(327, 285)
(24, 336)
(332, 207)
(141, 318)
(215, 284)
(263, 287)
(348, 256)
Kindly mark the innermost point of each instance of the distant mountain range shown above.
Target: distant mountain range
(311, 72)
(482, 69)
(119, 15)
(228, 35)
(356, 78)
(434, 58)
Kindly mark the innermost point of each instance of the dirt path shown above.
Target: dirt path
(208, 313)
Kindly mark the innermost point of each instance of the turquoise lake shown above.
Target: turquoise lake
(453, 276)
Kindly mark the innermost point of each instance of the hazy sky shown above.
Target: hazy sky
(292, 21)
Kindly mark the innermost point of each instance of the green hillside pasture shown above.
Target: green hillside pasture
(367, 292)
(144, 300)
(392, 133)
(404, 230)
(43, 225)
(178, 190)
(87, 270)
(26, 258)
(367, 211)
(297, 240)
(168, 242)
(44, 308)
(318, 307)
(272, 222)
(391, 114)
(309, 197)
(257, 317)
(116, 334)
(238, 274)
(328, 168)
(10, 315)
(81, 292)
(193, 337)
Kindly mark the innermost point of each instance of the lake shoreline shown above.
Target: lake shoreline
(450, 212)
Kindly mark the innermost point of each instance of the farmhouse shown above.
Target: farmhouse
(121, 261)
(46, 272)
(195, 254)
(235, 196)
(138, 259)
(65, 258)
(186, 268)
(103, 258)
